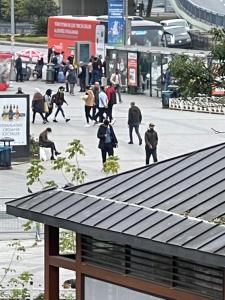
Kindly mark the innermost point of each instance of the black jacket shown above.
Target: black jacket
(134, 115)
(101, 135)
(151, 138)
(58, 99)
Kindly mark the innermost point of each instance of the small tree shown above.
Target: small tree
(111, 165)
(193, 75)
(18, 285)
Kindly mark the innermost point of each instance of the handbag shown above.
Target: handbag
(46, 110)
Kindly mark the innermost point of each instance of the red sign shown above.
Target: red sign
(132, 69)
(64, 32)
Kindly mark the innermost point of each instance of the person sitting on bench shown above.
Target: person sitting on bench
(46, 143)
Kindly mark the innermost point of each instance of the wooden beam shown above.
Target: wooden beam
(51, 272)
(138, 284)
(62, 262)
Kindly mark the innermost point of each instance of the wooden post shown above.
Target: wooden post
(79, 275)
(51, 272)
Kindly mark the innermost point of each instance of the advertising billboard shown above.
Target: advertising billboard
(14, 122)
(116, 22)
(132, 69)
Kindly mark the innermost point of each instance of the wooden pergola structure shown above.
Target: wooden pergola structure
(147, 231)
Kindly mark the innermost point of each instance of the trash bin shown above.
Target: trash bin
(5, 157)
(50, 73)
(166, 95)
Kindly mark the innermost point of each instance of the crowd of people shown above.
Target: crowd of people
(98, 98)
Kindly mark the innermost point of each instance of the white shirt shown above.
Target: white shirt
(103, 100)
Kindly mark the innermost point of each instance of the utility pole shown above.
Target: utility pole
(12, 25)
(126, 22)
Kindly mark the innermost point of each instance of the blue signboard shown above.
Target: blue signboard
(116, 22)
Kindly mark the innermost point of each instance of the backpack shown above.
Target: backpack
(113, 98)
(72, 76)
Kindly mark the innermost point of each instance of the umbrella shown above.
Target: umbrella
(30, 53)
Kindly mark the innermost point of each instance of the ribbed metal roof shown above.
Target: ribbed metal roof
(143, 207)
(192, 184)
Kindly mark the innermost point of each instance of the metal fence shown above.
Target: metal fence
(201, 13)
(22, 28)
(9, 223)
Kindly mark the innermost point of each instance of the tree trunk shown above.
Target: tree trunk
(149, 8)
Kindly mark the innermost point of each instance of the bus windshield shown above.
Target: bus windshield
(146, 36)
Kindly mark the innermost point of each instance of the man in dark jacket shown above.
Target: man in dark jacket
(46, 143)
(19, 68)
(82, 76)
(107, 140)
(59, 100)
(151, 142)
(134, 120)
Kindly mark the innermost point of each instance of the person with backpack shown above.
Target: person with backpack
(111, 94)
(38, 105)
(59, 100)
(107, 140)
(72, 78)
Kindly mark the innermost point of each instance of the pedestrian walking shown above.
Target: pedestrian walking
(59, 100)
(107, 140)
(46, 143)
(89, 100)
(19, 68)
(115, 79)
(90, 70)
(151, 142)
(96, 91)
(134, 121)
(72, 78)
(111, 94)
(82, 76)
(48, 102)
(38, 105)
(103, 105)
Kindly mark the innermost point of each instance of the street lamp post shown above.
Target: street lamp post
(12, 24)
(126, 22)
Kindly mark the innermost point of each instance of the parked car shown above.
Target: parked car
(176, 36)
(175, 22)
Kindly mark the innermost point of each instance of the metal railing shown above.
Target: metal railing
(9, 223)
(201, 13)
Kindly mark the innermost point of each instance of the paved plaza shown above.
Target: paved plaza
(179, 132)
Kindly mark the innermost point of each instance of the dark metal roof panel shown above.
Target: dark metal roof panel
(156, 178)
(160, 227)
(80, 205)
(89, 211)
(191, 233)
(102, 215)
(118, 216)
(143, 225)
(203, 239)
(132, 220)
(191, 186)
(183, 202)
(215, 245)
(175, 231)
